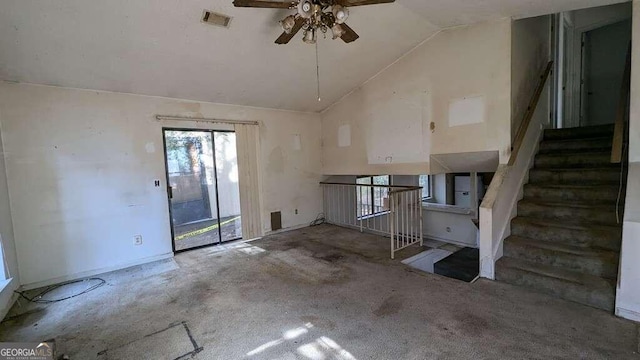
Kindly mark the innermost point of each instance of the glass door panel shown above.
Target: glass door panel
(192, 188)
(228, 188)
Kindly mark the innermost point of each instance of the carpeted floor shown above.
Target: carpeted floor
(316, 293)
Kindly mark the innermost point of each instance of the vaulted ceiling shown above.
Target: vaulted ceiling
(161, 48)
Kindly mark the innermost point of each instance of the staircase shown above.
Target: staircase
(565, 240)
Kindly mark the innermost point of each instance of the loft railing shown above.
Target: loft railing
(393, 211)
(622, 116)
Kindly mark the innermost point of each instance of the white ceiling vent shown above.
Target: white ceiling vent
(214, 18)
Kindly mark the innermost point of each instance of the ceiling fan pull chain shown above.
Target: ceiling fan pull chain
(318, 72)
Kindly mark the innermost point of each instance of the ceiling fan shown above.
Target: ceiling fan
(313, 16)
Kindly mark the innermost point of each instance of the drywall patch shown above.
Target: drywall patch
(467, 111)
(397, 131)
(344, 136)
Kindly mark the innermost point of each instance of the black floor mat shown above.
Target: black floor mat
(463, 265)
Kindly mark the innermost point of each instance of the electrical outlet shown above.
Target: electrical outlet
(137, 240)
(296, 211)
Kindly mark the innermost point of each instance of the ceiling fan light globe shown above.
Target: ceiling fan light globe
(337, 31)
(288, 23)
(340, 13)
(309, 36)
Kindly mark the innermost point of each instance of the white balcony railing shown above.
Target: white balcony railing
(392, 211)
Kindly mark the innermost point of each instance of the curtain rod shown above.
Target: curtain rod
(202, 119)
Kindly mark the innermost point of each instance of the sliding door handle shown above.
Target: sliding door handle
(170, 192)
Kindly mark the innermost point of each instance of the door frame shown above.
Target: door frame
(168, 185)
(572, 53)
(581, 33)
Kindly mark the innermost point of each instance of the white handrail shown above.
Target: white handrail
(500, 202)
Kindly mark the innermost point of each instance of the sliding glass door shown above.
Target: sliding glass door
(228, 189)
(202, 178)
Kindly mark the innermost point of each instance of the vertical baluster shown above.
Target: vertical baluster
(398, 223)
(352, 213)
(336, 205)
(377, 227)
(418, 205)
(396, 218)
(398, 209)
(410, 220)
(329, 202)
(338, 190)
(329, 195)
(419, 209)
(420, 214)
(333, 204)
(411, 205)
(375, 218)
(409, 209)
(342, 205)
(391, 232)
(360, 205)
(327, 191)
(324, 200)
(390, 218)
(404, 215)
(404, 219)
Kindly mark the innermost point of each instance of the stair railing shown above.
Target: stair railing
(622, 116)
(499, 204)
(528, 115)
(406, 218)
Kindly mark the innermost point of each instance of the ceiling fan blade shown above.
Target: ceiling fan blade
(349, 35)
(264, 4)
(349, 3)
(285, 38)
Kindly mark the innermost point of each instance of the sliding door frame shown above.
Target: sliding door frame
(168, 185)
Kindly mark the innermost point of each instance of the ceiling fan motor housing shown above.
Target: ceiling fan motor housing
(313, 16)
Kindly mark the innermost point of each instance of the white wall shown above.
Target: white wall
(529, 56)
(390, 115)
(81, 166)
(628, 294)
(8, 243)
(450, 225)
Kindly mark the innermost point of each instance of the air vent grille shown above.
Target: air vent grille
(216, 19)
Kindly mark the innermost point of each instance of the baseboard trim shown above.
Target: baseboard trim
(8, 297)
(85, 274)
(297, 227)
(628, 314)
